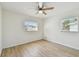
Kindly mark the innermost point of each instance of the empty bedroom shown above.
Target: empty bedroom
(39, 29)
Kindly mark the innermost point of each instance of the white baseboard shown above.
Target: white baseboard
(20, 43)
(64, 44)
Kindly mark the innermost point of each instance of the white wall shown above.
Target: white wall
(53, 32)
(0, 29)
(13, 30)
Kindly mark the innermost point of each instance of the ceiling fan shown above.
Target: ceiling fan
(42, 8)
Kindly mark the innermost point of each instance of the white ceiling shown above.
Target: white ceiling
(30, 8)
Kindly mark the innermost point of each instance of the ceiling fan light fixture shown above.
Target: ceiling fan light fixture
(41, 8)
(40, 12)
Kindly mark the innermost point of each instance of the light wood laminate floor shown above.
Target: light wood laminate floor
(40, 48)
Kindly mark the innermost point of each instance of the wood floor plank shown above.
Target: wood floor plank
(40, 48)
